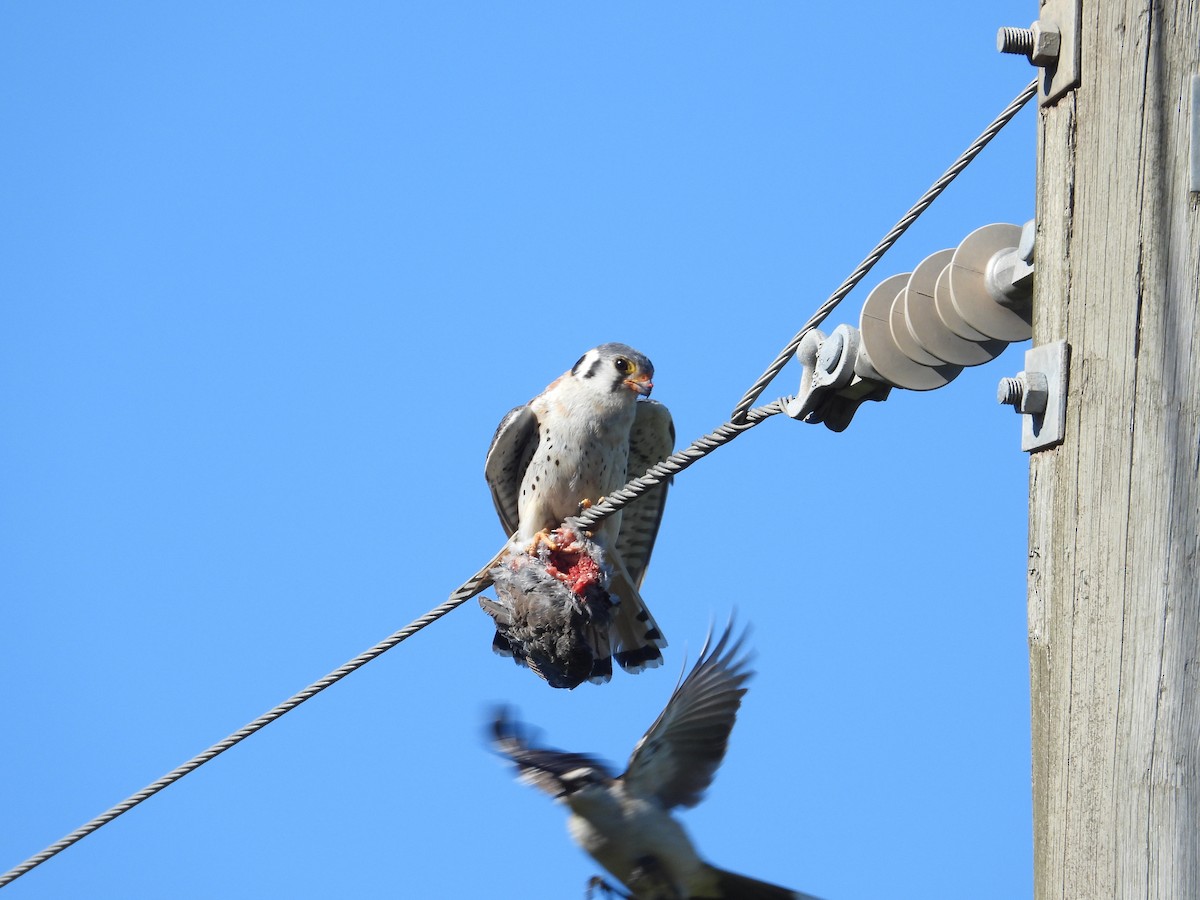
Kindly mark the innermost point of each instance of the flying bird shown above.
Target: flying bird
(624, 821)
(581, 438)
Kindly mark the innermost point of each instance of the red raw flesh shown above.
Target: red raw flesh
(582, 574)
(572, 566)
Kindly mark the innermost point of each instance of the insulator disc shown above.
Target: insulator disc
(927, 327)
(968, 288)
(875, 326)
(948, 314)
(904, 338)
(912, 301)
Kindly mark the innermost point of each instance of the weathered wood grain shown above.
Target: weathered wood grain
(1114, 535)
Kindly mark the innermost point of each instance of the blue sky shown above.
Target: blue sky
(273, 272)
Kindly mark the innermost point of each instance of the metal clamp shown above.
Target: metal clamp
(1052, 44)
(1039, 395)
(831, 388)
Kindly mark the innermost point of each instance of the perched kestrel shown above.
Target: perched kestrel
(581, 438)
(624, 821)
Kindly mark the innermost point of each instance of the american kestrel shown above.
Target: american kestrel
(624, 821)
(581, 438)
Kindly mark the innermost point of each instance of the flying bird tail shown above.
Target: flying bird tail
(732, 886)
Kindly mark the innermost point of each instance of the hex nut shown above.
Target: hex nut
(1046, 42)
(1028, 393)
(1035, 393)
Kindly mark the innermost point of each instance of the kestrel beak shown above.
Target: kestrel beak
(640, 384)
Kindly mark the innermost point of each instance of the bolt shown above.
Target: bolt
(1028, 392)
(1046, 41)
(1009, 392)
(1039, 43)
(1018, 41)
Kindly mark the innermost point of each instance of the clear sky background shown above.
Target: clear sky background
(272, 272)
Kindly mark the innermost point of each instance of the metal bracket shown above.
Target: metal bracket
(831, 391)
(1062, 74)
(1039, 395)
(1052, 44)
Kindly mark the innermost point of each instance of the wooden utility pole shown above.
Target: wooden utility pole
(1114, 532)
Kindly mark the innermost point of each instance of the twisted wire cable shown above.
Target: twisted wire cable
(743, 419)
(786, 354)
(677, 462)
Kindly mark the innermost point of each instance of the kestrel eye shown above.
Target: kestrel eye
(624, 366)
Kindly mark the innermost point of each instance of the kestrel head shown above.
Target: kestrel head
(616, 367)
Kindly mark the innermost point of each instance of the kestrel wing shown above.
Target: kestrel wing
(651, 440)
(508, 457)
(676, 759)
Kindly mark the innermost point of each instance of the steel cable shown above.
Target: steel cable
(673, 464)
(743, 419)
(786, 354)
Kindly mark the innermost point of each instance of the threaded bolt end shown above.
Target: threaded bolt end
(1009, 392)
(1018, 41)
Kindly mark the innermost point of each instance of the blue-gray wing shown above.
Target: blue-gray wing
(651, 440)
(676, 759)
(508, 457)
(553, 771)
